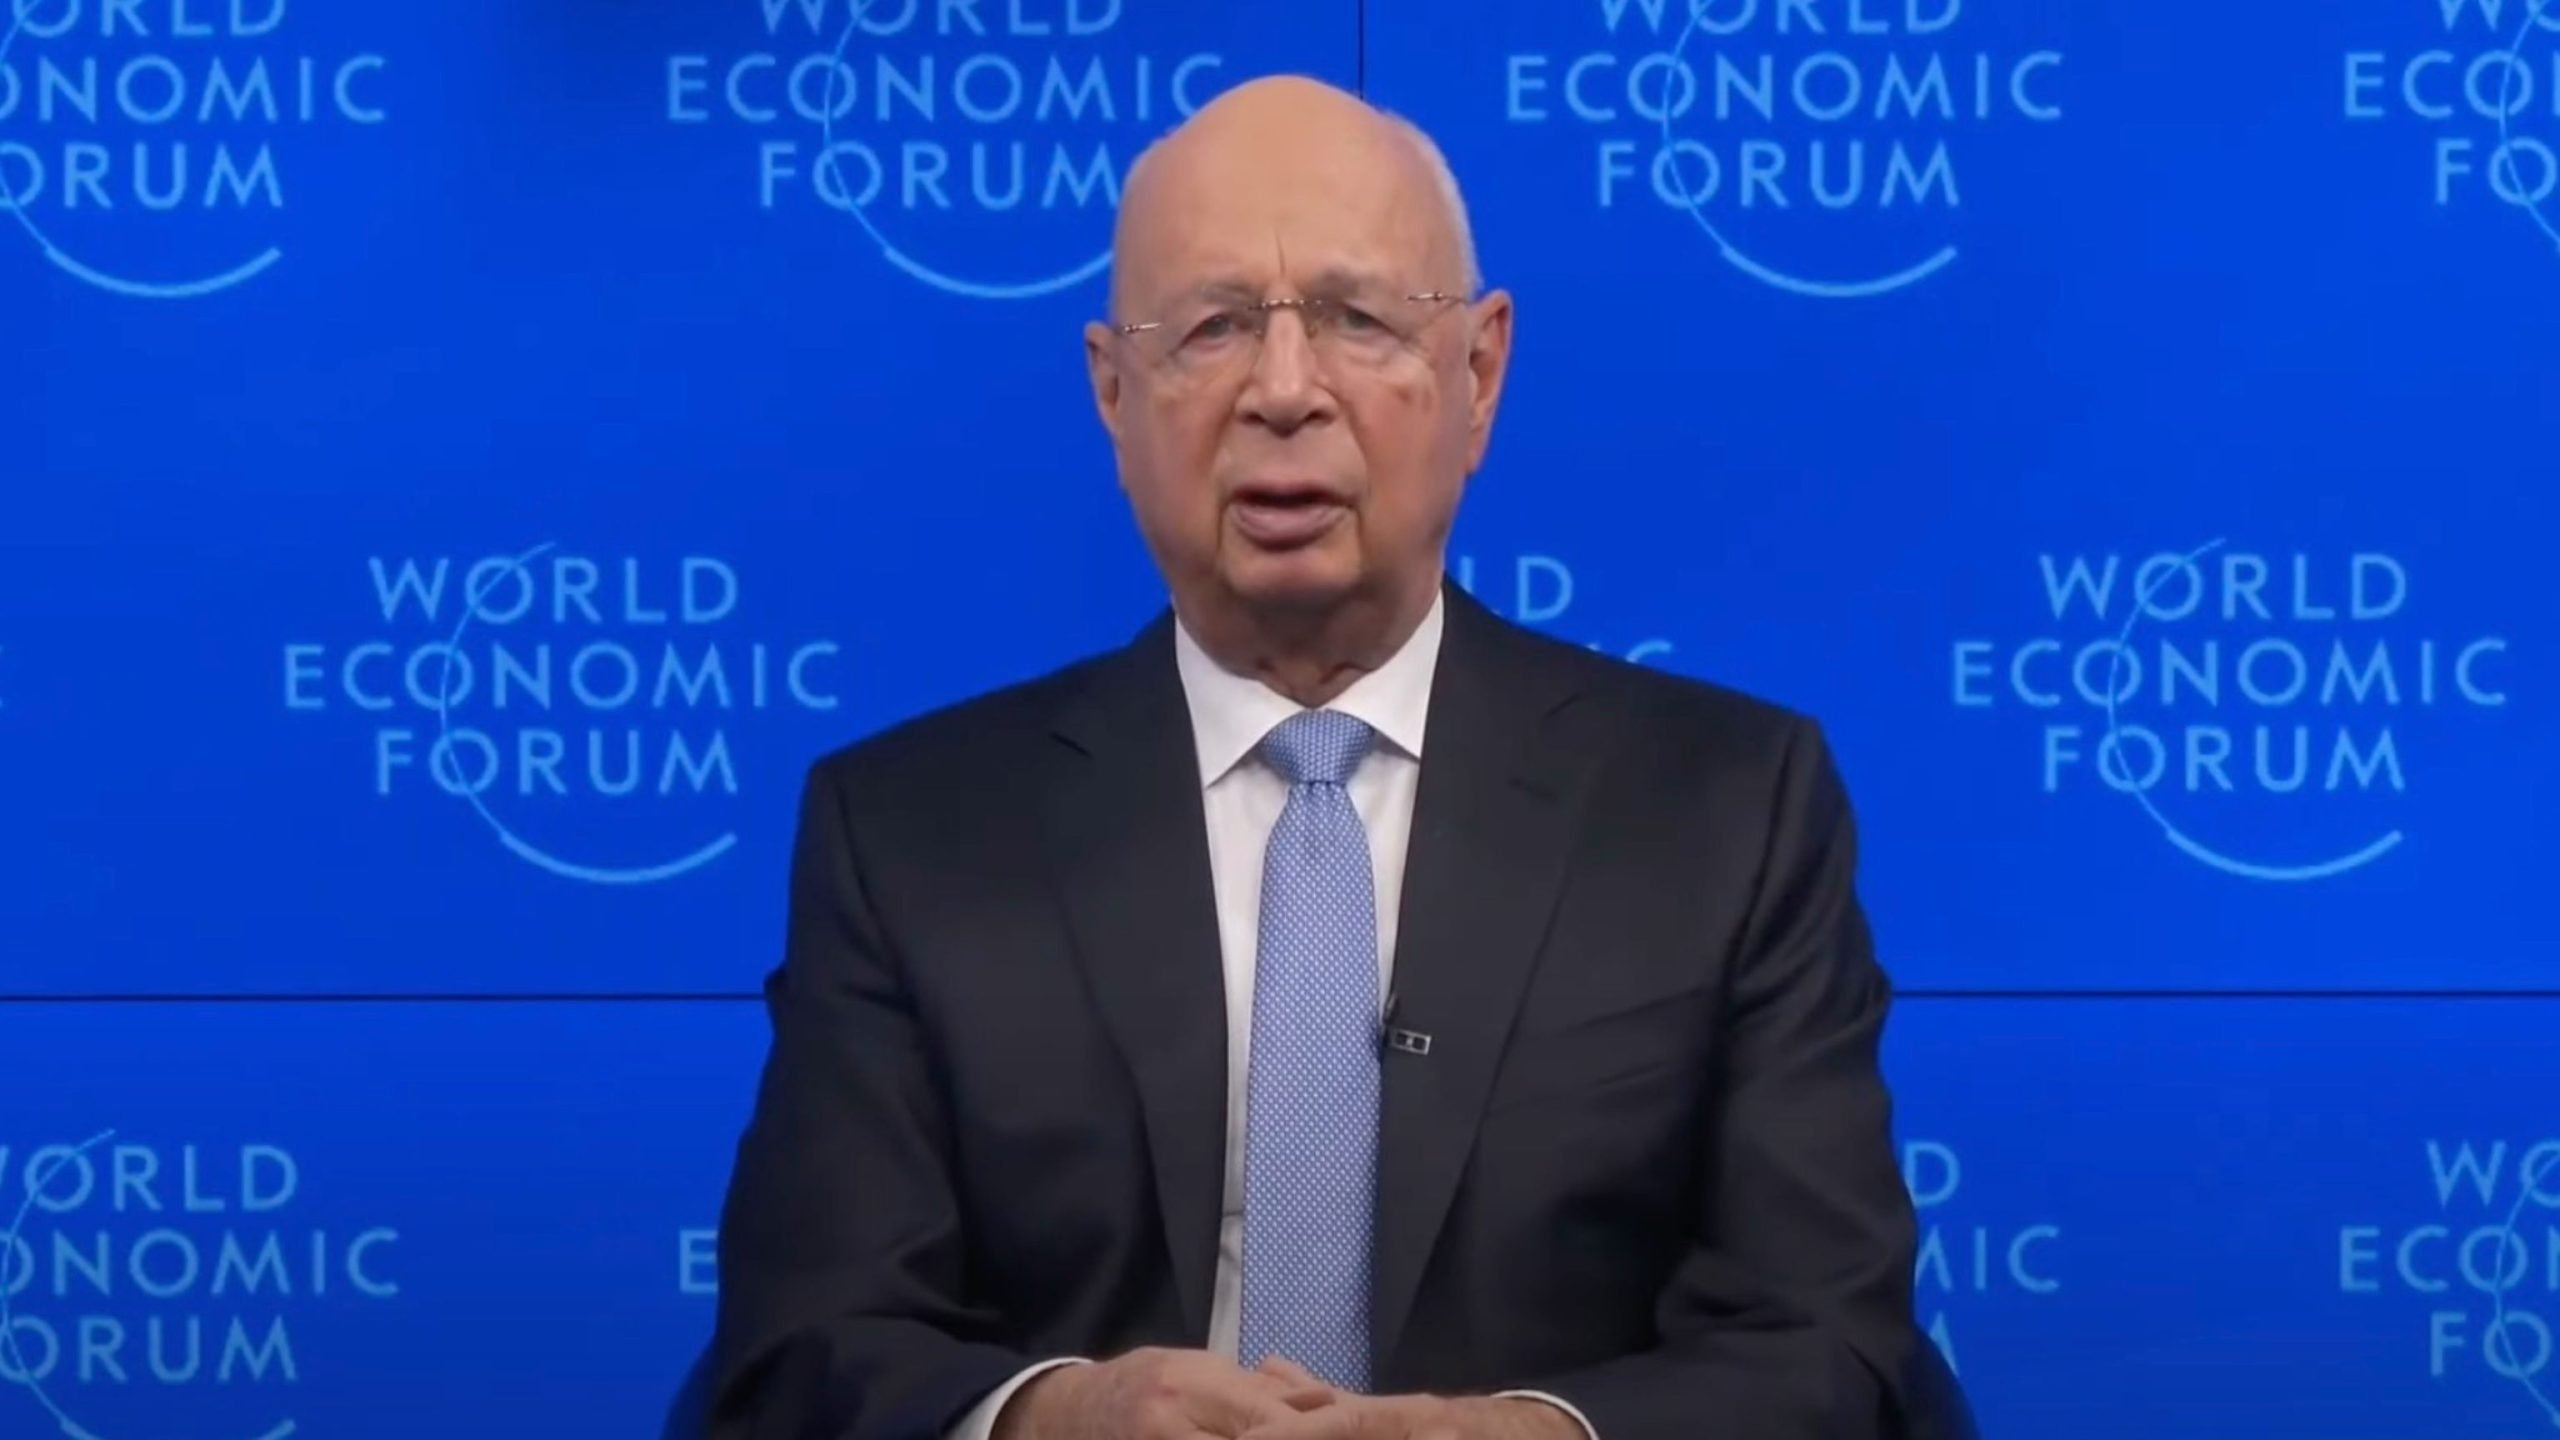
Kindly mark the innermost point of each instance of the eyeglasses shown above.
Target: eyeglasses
(1344, 334)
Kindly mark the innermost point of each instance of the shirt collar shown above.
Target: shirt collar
(1230, 713)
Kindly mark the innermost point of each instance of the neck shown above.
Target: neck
(1311, 656)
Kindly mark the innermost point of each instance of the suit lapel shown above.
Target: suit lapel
(1132, 854)
(1493, 819)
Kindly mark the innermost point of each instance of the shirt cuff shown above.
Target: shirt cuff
(980, 1422)
(1578, 1417)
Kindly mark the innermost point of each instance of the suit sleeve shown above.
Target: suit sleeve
(844, 1311)
(1789, 1318)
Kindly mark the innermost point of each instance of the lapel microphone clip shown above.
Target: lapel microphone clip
(1410, 1042)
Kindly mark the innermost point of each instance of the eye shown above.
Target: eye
(1356, 321)
(1215, 326)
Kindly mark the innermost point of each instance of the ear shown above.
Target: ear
(1488, 365)
(1102, 368)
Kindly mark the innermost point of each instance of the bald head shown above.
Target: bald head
(1297, 481)
(1284, 143)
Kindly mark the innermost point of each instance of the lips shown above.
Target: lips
(1285, 516)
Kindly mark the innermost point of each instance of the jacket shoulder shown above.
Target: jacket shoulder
(985, 735)
(1655, 705)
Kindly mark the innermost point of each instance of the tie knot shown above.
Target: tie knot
(1317, 747)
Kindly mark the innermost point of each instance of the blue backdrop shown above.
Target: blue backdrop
(467, 460)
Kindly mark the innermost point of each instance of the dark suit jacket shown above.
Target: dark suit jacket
(1645, 1166)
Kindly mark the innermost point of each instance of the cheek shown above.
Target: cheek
(1171, 456)
(1410, 446)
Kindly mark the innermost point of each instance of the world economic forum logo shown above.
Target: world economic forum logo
(2484, 1260)
(141, 1280)
(1966, 1248)
(2482, 79)
(592, 711)
(698, 1261)
(2251, 705)
(1540, 590)
(955, 140)
(148, 149)
(1817, 145)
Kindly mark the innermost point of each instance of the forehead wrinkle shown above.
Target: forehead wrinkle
(1222, 277)
(1374, 172)
(1343, 279)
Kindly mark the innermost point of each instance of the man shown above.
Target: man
(1340, 1013)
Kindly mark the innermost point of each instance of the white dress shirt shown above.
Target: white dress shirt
(1241, 797)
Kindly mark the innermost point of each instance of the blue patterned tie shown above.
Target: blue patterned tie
(1311, 1109)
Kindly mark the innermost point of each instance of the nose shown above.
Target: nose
(1287, 388)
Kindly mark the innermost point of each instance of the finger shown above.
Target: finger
(1353, 1417)
(1346, 1421)
(1236, 1403)
(1305, 1390)
(1310, 1397)
(1289, 1370)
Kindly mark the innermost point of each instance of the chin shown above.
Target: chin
(1300, 580)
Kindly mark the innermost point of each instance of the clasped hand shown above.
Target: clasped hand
(1162, 1394)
